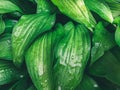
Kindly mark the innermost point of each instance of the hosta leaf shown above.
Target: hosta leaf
(76, 10)
(5, 47)
(108, 67)
(25, 32)
(9, 73)
(101, 8)
(102, 41)
(88, 82)
(40, 54)
(7, 6)
(71, 54)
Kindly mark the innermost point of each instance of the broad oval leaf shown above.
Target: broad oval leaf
(101, 8)
(102, 41)
(7, 6)
(25, 32)
(40, 54)
(9, 73)
(88, 82)
(71, 54)
(76, 10)
(6, 47)
(108, 67)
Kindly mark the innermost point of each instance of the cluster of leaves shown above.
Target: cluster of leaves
(23, 21)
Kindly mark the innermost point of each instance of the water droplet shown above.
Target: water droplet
(59, 88)
(45, 81)
(72, 56)
(41, 69)
(95, 85)
(21, 76)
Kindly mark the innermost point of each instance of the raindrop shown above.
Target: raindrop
(95, 85)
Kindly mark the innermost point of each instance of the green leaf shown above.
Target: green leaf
(101, 8)
(117, 20)
(117, 35)
(40, 54)
(102, 41)
(71, 54)
(108, 67)
(26, 30)
(114, 6)
(20, 85)
(2, 25)
(76, 10)
(7, 6)
(88, 82)
(5, 47)
(9, 73)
